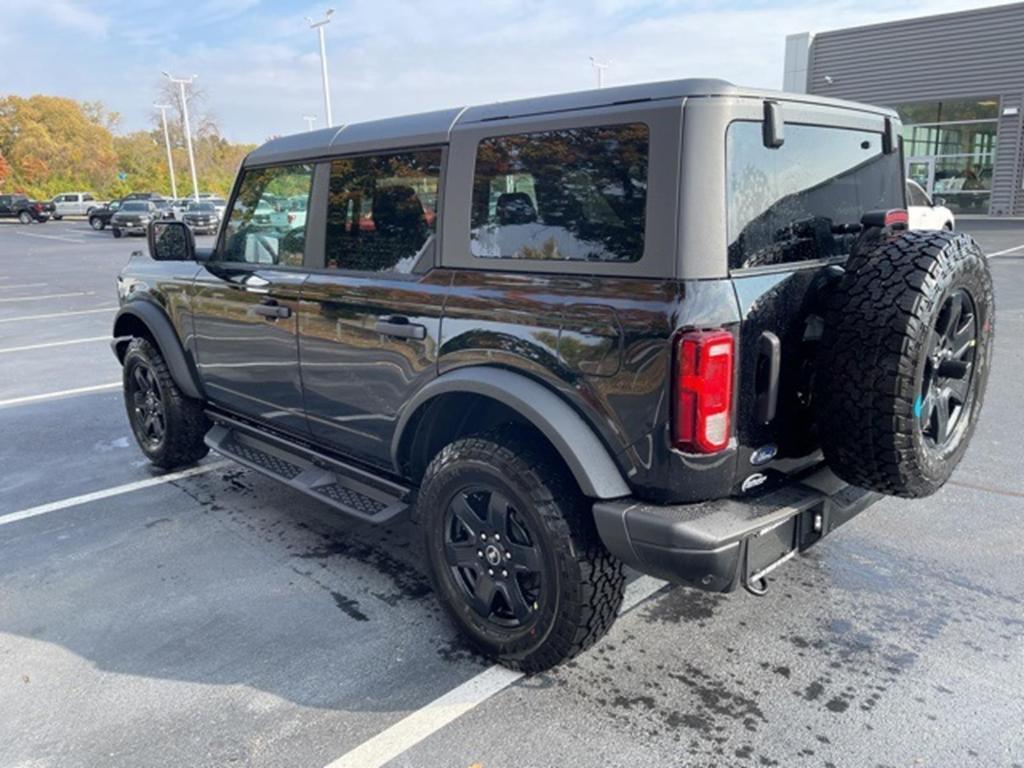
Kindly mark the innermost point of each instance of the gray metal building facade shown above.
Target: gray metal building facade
(957, 81)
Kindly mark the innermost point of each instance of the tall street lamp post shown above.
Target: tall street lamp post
(319, 27)
(181, 82)
(167, 142)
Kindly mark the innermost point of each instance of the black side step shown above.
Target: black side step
(326, 480)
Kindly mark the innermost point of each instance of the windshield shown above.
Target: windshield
(202, 207)
(135, 205)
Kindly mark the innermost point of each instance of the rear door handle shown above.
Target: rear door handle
(270, 308)
(401, 328)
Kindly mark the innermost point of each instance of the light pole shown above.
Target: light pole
(600, 66)
(182, 82)
(167, 141)
(319, 27)
(310, 119)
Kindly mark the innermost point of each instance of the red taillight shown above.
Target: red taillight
(897, 218)
(702, 383)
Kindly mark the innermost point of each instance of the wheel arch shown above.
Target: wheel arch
(505, 393)
(143, 319)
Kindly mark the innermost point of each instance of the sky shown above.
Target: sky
(259, 66)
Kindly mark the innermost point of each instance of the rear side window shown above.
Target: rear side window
(382, 211)
(805, 199)
(267, 223)
(576, 194)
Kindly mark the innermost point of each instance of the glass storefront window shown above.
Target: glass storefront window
(953, 146)
(986, 108)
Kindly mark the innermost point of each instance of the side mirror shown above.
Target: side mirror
(171, 241)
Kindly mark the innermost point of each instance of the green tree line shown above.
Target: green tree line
(51, 144)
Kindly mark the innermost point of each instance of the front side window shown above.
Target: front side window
(575, 194)
(382, 211)
(804, 200)
(267, 223)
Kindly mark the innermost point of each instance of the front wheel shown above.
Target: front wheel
(514, 556)
(57, 218)
(25, 217)
(168, 426)
(96, 223)
(116, 231)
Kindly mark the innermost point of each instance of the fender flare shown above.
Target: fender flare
(159, 325)
(579, 446)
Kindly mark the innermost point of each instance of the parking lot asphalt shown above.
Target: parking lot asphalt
(223, 619)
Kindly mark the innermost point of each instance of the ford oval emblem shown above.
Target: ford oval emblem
(764, 454)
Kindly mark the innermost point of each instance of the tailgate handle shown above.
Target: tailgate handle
(769, 362)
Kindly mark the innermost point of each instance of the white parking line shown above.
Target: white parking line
(23, 285)
(117, 490)
(47, 296)
(58, 314)
(61, 393)
(1007, 251)
(49, 344)
(51, 237)
(411, 730)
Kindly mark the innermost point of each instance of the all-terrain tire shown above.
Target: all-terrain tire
(96, 223)
(25, 217)
(583, 582)
(883, 321)
(184, 422)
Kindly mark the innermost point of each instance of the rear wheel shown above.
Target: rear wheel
(57, 218)
(513, 552)
(168, 426)
(25, 217)
(904, 362)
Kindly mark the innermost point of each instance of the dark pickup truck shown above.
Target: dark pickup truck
(24, 210)
(678, 326)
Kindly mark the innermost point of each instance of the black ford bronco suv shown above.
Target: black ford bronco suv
(680, 327)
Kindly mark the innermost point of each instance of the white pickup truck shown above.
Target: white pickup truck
(74, 204)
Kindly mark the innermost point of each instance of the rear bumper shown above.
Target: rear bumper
(719, 545)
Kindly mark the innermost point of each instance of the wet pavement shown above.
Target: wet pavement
(223, 619)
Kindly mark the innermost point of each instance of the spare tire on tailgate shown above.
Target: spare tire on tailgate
(904, 360)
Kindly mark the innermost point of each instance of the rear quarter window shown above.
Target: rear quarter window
(804, 200)
(574, 194)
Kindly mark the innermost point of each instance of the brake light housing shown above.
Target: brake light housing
(702, 383)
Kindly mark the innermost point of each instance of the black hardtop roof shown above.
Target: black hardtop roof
(436, 127)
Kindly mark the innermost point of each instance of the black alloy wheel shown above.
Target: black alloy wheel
(493, 557)
(148, 414)
(946, 384)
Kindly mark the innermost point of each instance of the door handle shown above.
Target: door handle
(401, 328)
(270, 308)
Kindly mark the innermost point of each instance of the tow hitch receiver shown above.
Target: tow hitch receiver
(778, 543)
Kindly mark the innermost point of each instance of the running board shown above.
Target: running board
(314, 474)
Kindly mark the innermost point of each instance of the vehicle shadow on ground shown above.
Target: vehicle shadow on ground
(232, 579)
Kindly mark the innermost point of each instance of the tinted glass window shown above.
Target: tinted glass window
(382, 211)
(576, 194)
(135, 206)
(267, 224)
(805, 199)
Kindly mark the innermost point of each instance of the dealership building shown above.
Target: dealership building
(957, 81)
